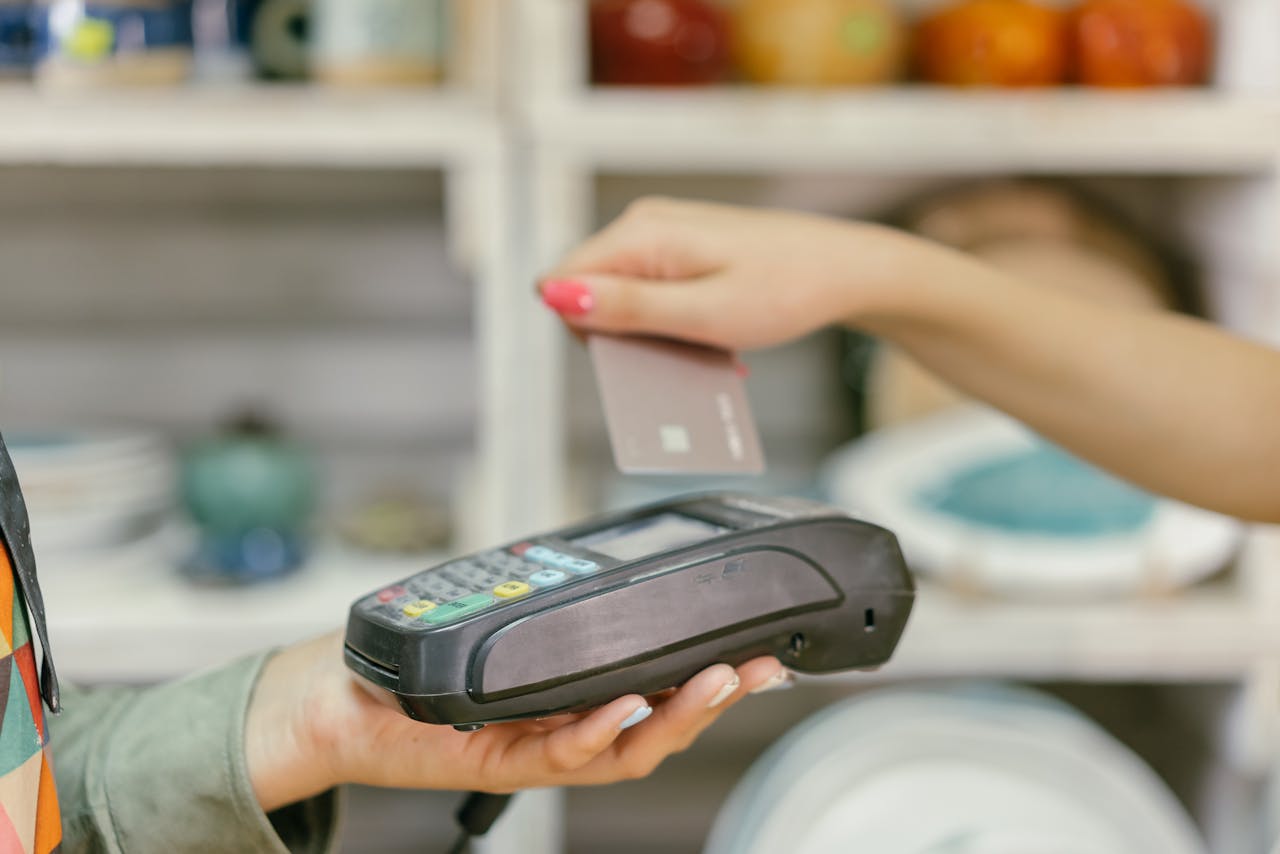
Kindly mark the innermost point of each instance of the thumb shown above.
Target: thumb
(679, 308)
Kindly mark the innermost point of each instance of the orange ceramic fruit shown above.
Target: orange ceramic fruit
(993, 43)
(1128, 43)
(819, 42)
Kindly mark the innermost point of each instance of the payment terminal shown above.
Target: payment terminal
(633, 602)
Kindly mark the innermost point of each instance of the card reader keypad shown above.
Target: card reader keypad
(478, 582)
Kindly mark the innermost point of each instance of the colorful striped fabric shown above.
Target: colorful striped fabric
(29, 818)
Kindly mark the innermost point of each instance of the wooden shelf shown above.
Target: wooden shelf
(243, 126)
(139, 620)
(135, 619)
(1212, 632)
(908, 129)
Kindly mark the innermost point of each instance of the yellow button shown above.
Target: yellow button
(511, 589)
(417, 609)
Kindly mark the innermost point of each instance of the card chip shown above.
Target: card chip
(675, 439)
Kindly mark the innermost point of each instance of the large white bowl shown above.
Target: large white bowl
(92, 490)
(985, 770)
(880, 476)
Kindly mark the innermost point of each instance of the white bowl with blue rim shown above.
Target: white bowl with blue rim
(978, 499)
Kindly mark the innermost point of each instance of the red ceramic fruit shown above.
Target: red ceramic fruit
(993, 43)
(658, 42)
(819, 42)
(1128, 43)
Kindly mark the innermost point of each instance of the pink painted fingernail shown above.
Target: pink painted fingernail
(565, 296)
(636, 717)
(742, 369)
(725, 692)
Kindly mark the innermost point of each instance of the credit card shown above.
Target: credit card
(674, 408)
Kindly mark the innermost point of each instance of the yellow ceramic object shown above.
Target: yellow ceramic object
(91, 40)
(820, 42)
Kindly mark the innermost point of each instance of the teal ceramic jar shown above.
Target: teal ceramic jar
(252, 494)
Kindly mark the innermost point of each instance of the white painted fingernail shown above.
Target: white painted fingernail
(778, 680)
(725, 692)
(636, 717)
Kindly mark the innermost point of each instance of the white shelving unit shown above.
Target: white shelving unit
(295, 126)
(915, 130)
(522, 144)
(1224, 631)
(145, 623)
(166, 627)
(579, 133)
(455, 130)
(1212, 634)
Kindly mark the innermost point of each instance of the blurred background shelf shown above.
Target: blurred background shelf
(361, 261)
(1199, 167)
(165, 627)
(914, 129)
(1211, 632)
(288, 126)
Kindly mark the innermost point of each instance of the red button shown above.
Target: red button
(391, 593)
(519, 550)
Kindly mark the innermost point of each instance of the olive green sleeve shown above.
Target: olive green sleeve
(162, 769)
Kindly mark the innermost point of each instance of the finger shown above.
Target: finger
(690, 711)
(548, 756)
(670, 728)
(622, 247)
(561, 718)
(749, 677)
(697, 699)
(762, 673)
(557, 721)
(649, 240)
(661, 696)
(681, 309)
(675, 722)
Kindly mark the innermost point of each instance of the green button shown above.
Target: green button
(457, 609)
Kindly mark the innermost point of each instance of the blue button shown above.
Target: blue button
(547, 578)
(580, 566)
(542, 554)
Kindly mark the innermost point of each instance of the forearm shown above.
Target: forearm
(163, 769)
(1168, 402)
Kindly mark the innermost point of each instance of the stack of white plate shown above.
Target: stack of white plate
(978, 770)
(1089, 535)
(92, 491)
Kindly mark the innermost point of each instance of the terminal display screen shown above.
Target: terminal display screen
(649, 535)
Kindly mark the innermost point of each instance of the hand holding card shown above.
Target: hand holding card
(674, 408)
